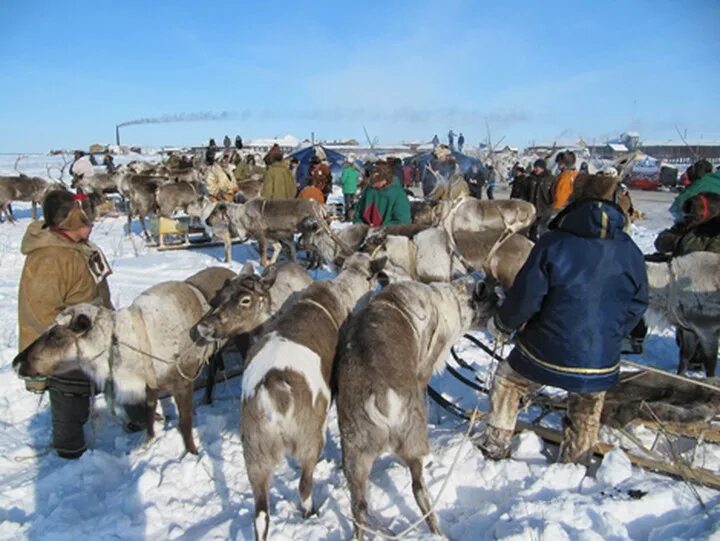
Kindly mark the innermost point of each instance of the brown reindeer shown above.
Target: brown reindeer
(286, 384)
(268, 220)
(385, 360)
(21, 188)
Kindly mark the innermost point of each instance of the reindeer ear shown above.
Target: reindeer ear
(64, 318)
(80, 324)
(269, 276)
(248, 269)
(308, 225)
(377, 264)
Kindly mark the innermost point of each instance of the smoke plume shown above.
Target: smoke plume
(181, 117)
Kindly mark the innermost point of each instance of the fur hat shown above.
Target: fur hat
(594, 187)
(569, 158)
(65, 210)
(442, 152)
(542, 164)
(380, 171)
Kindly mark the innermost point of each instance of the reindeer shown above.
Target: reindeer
(286, 384)
(430, 256)
(386, 357)
(470, 214)
(330, 247)
(685, 292)
(274, 220)
(244, 305)
(140, 193)
(21, 187)
(175, 195)
(141, 349)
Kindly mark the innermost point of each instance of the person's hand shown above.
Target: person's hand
(498, 334)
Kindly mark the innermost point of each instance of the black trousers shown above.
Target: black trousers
(70, 395)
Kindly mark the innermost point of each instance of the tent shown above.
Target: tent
(427, 180)
(304, 155)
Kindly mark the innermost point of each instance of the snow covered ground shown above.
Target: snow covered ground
(125, 488)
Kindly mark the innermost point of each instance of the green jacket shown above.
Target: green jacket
(701, 238)
(709, 183)
(349, 180)
(278, 183)
(386, 206)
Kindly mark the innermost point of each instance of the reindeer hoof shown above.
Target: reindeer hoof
(311, 513)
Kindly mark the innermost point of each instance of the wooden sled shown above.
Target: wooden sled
(645, 396)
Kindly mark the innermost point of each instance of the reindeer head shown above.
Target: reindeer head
(477, 299)
(368, 266)
(80, 338)
(242, 305)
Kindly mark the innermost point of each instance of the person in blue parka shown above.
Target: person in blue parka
(581, 290)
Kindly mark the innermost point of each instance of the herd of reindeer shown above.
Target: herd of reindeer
(318, 342)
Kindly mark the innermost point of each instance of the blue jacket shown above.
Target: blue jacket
(581, 290)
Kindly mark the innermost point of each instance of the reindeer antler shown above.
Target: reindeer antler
(20, 157)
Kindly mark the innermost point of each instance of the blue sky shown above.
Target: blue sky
(537, 71)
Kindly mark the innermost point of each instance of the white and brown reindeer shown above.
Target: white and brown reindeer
(386, 357)
(429, 256)
(268, 294)
(142, 349)
(286, 384)
(244, 305)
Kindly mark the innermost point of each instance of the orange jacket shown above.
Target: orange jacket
(311, 192)
(564, 188)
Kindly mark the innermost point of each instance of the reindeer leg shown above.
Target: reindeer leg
(262, 244)
(34, 210)
(688, 343)
(183, 399)
(129, 215)
(151, 403)
(708, 351)
(357, 466)
(213, 367)
(306, 479)
(421, 494)
(144, 227)
(259, 477)
(227, 243)
(277, 247)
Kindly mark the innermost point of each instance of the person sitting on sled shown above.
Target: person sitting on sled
(581, 290)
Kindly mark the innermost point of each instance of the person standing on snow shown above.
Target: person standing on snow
(63, 268)
(582, 289)
(461, 142)
(451, 140)
(476, 179)
(349, 180)
(435, 141)
(492, 180)
(81, 167)
(564, 183)
(520, 184)
(383, 201)
(541, 183)
(279, 182)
